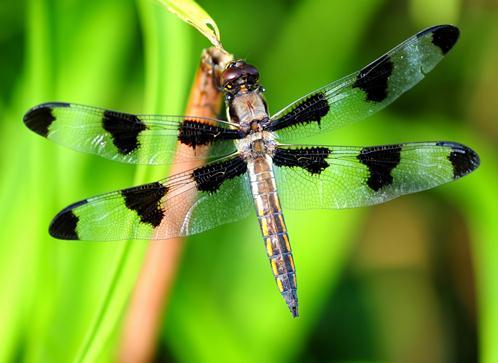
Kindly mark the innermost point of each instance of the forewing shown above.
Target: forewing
(338, 177)
(142, 139)
(182, 205)
(367, 91)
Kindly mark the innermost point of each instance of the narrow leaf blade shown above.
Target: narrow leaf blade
(191, 13)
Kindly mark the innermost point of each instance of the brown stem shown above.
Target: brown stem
(149, 300)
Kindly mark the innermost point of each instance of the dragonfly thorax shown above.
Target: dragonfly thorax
(257, 144)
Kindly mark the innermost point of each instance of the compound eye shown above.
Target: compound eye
(231, 74)
(252, 71)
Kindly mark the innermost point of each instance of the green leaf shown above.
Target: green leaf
(165, 81)
(191, 13)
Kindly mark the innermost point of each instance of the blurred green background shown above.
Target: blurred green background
(413, 280)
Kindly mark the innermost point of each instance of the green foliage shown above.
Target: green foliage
(64, 301)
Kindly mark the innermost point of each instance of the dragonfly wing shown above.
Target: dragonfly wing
(182, 205)
(367, 91)
(142, 139)
(335, 177)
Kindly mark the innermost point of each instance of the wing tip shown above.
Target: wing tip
(39, 118)
(444, 36)
(64, 224)
(463, 159)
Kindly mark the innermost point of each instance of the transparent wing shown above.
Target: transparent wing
(182, 205)
(142, 139)
(335, 177)
(367, 91)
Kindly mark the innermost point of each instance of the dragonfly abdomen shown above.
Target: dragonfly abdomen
(273, 229)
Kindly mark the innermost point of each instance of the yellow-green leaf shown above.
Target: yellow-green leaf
(190, 12)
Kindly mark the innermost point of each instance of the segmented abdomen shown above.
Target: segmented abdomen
(273, 229)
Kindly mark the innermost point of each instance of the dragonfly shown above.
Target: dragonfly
(252, 163)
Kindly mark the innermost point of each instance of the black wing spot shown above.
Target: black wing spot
(443, 36)
(194, 133)
(373, 79)
(124, 129)
(463, 159)
(311, 109)
(146, 201)
(64, 224)
(40, 117)
(210, 177)
(312, 159)
(380, 160)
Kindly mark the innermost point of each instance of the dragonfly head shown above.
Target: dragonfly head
(240, 76)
